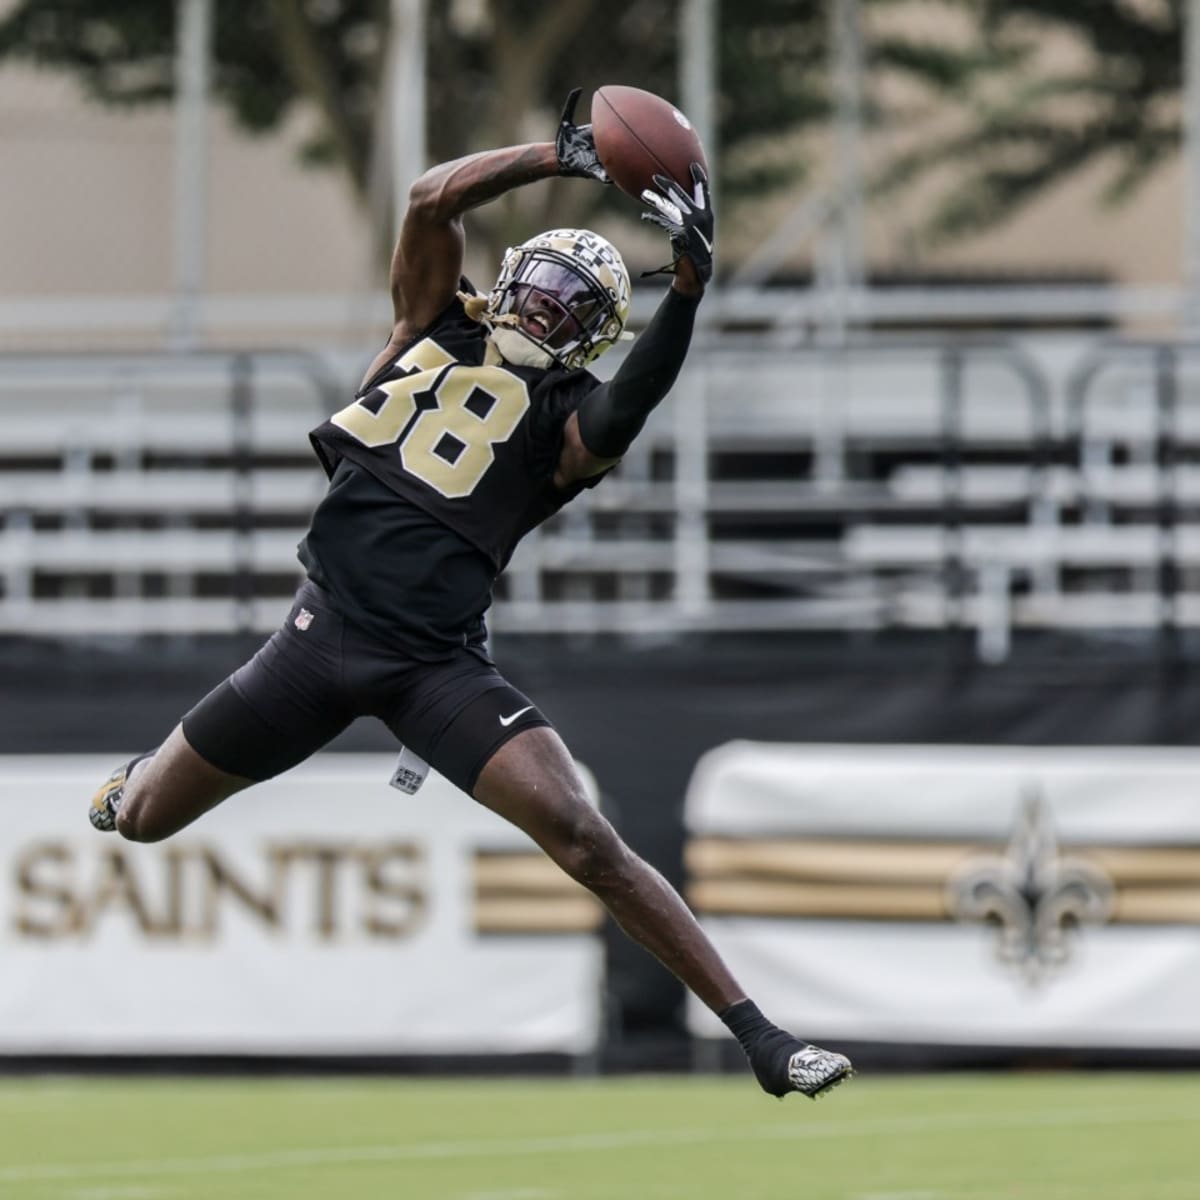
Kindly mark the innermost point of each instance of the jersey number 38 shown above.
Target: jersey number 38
(446, 417)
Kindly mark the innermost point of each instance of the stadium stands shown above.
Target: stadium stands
(885, 483)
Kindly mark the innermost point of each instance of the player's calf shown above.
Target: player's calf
(782, 1063)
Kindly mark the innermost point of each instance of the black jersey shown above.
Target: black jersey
(438, 468)
(393, 570)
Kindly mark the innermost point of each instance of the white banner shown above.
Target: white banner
(322, 912)
(972, 896)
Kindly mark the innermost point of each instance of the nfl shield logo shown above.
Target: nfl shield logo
(303, 620)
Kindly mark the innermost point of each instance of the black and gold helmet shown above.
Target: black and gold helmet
(564, 295)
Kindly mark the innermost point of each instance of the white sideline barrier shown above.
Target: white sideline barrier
(954, 895)
(322, 912)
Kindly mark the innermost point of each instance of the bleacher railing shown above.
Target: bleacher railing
(1154, 437)
(153, 493)
(890, 482)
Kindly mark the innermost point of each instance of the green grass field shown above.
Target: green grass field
(1004, 1137)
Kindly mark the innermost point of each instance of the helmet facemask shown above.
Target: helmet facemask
(562, 297)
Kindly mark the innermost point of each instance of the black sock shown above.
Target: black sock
(767, 1047)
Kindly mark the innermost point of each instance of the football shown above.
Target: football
(639, 135)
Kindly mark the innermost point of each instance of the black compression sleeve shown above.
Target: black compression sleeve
(613, 415)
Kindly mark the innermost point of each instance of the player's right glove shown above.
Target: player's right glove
(575, 145)
(688, 220)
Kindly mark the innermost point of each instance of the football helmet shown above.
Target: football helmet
(561, 297)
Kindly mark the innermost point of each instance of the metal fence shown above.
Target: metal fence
(949, 483)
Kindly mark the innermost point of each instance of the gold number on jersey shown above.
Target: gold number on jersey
(422, 362)
(449, 447)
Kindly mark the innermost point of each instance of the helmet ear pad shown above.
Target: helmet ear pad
(585, 288)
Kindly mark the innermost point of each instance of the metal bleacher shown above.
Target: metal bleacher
(875, 484)
(154, 493)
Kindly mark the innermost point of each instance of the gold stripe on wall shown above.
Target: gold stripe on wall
(767, 898)
(525, 892)
(525, 872)
(896, 880)
(1134, 864)
(1158, 906)
(811, 858)
(514, 914)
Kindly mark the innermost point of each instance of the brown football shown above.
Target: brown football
(640, 135)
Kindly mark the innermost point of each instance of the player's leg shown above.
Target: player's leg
(469, 723)
(155, 795)
(272, 713)
(532, 782)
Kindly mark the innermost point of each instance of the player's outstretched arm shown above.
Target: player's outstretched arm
(427, 263)
(613, 415)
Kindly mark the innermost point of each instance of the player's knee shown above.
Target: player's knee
(593, 854)
(137, 820)
(133, 825)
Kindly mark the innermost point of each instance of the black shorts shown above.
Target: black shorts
(319, 672)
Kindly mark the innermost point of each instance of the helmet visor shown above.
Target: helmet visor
(555, 303)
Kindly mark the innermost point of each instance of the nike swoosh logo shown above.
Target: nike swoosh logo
(507, 721)
(707, 243)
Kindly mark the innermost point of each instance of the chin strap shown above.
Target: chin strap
(475, 306)
(517, 349)
(511, 344)
(505, 340)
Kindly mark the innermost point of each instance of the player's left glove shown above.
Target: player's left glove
(575, 145)
(688, 220)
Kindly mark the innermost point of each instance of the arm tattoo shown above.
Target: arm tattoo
(470, 182)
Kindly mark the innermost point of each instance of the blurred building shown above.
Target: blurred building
(289, 257)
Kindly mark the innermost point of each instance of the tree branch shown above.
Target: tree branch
(311, 77)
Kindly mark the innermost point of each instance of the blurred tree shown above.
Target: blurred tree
(498, 72)
(1067, 83)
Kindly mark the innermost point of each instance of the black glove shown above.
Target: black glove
(687, 220)
(575, 146)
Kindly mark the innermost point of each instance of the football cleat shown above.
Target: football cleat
(814, 1071)
(103, 810)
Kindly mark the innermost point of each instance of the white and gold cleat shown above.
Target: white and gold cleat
(103, 810)
(814, 1071)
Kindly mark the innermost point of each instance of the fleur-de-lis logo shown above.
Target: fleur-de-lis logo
(1035, 897)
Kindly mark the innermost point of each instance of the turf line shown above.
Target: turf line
(575, 1143)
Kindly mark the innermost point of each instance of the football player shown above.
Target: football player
(476, 422)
